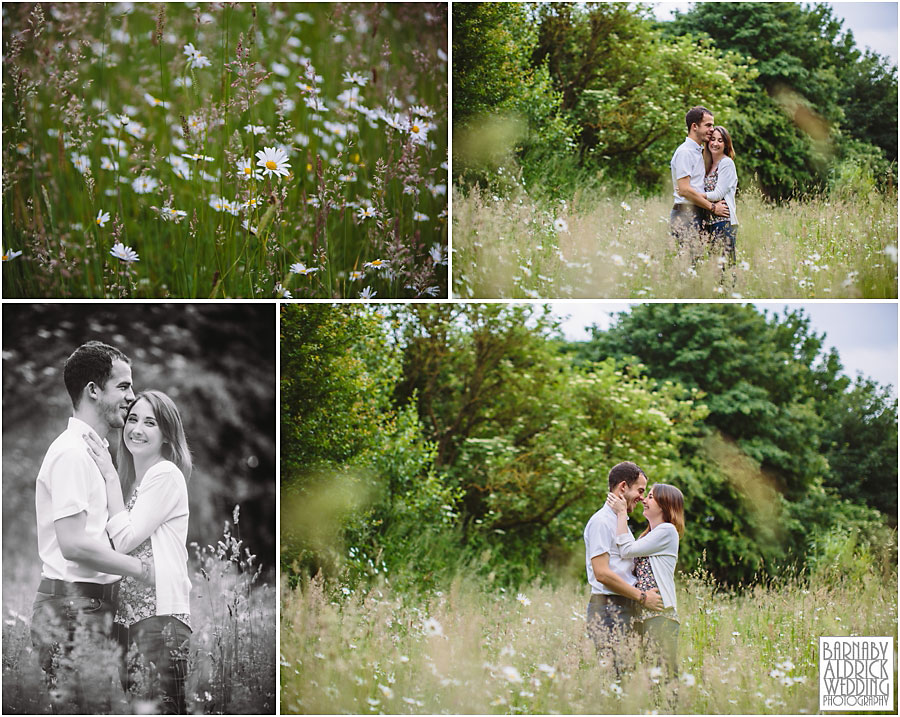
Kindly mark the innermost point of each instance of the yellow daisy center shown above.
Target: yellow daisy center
(247, 170)
(98, 221)
(271, 165)
(415, 128)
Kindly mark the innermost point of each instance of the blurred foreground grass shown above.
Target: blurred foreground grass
(470, 650)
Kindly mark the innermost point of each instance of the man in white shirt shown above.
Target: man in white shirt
(688, 173)
(614, 598)
(80, 570)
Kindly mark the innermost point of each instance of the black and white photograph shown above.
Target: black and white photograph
(139, 484)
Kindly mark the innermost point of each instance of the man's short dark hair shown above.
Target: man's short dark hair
(91, 361)
(627, 471)
(695, 116)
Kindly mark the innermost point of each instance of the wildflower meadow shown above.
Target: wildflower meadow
(470, 650)
(595, 246)
(217, 150)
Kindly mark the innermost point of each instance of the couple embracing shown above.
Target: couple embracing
(704, 179)
(633, 580)
(112, 542)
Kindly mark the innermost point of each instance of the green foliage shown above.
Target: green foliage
(758, 376)
(860, 443)
(352, 462)
(502, 104)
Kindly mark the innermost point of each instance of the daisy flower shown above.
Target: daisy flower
(306, 87)
(195, 59)
(156, 102)
(254, 128)
(355, 78)
(144, 185)
(314, 103)
(136, 130)
(367, 293)
(300, 268)
(124, 253)
(249, 227)
(366, 212)
(437, 254)
(102, 218)
(356, 275)
(246, 170)
(196, 123)
(217, 203)
(175, 215)
(253, 202)
(349, 97)
(107, 163)
(375, 264)
(420, 217)
(233, 208)
(197, 157)
(561, 225)
(420, 111)
(81, 161)
(273, 161)
(418, 130)
(23, 148)
(10, 255)
(282, 293)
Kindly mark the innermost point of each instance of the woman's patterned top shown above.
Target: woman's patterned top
(645, 581)
(709, 184)
(137, 600)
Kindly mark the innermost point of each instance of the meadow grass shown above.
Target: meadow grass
(232, 655)
(470, 650)
(125, 126)
(603, 247)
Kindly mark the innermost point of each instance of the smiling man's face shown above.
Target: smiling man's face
(706, 128)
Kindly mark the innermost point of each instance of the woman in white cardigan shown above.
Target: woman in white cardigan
(153, 622)
(721, 183)
(655, 553)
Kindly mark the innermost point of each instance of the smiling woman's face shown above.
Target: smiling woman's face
(716, 143)
(142, 433)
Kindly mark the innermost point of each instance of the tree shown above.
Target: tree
(495, 86)
(527, 438)
(354, 465)
(757, 376)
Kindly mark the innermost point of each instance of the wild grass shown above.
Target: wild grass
(101, 98)
(604, 247)
(471, 650)
(232, 656)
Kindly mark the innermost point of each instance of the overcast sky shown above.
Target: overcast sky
(864, 333)
(873, 24)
